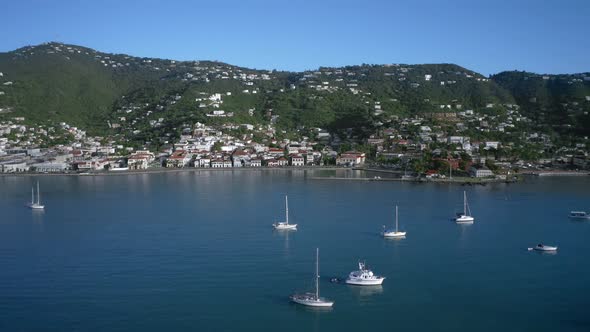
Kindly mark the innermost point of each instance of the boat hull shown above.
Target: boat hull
(580, 215)
(372, 282)
(545, 248)
(464, 219)
(393, 234)
(36, 207)
(311, 302)
(284, 226)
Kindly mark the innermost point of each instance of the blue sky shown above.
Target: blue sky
(485, 36)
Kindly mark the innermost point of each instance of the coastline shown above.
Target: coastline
(462, 180)
(457, 180)
(558, 173)
(176, 170)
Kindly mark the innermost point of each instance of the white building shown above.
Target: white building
(297, 160)
(51, 167)
(491, 145)
(351, 159)
(14, 167)
(480, 172)
(203, 162)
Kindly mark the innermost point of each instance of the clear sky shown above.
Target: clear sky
(544, 36)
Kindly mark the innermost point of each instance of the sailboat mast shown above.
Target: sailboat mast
(32, 195)
(286, 210)
(317, 273)
(38, 194)
(464, 203)
(396, 218)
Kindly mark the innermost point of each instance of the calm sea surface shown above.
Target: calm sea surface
(195, 251)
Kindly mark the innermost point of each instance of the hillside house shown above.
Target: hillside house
(297, 160)
(179, 159)
(351, 158)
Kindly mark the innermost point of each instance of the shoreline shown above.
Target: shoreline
(572, 173)
(177, 170)
(459, 180)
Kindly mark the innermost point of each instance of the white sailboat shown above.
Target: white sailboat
(36, 205)
(313, 299)
(284, 225)
(465, 217)
(393, 232)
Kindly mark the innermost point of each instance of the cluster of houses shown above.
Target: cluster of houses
(210, 147)
(205, 147)
(261, 156)
(441, 132)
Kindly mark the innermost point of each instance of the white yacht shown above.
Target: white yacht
(464, 217)
(543, 247)
(36, 205)
(579, 215)
(393, 232)
(284, 225)
(313, 299)
(364, 277)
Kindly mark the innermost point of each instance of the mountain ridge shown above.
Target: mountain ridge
(56, 43)
(92, 89)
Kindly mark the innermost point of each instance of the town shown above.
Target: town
(414, 145)
(222, 116)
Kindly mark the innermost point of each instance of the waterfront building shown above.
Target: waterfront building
(480, 171)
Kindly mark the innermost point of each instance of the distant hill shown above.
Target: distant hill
(562, 101)
(117, 93)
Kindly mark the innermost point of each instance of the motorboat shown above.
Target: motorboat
(579, 215)
(465, 217)
(364, 277)
(284, 225)
(393, 233)
(543, 247)
(36, 205)
(313, 299)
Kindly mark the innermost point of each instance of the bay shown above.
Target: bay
(196, 251)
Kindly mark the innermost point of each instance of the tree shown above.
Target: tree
(492, 166)
(217, 146)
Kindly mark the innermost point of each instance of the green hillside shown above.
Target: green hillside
(559, 101)
(144, 99)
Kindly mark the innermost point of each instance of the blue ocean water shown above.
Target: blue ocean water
(195, 251)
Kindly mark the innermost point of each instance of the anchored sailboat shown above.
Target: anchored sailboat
(393, 232)
(36, 205)
(465, 217)
(284, 225)
(313, 299)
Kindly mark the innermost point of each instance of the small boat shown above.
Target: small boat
(579, 215)
(542, 247)
(36, 205)
(465, 217)
(364, 277)
(313, 299)
(284, 225)
(393, 232)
